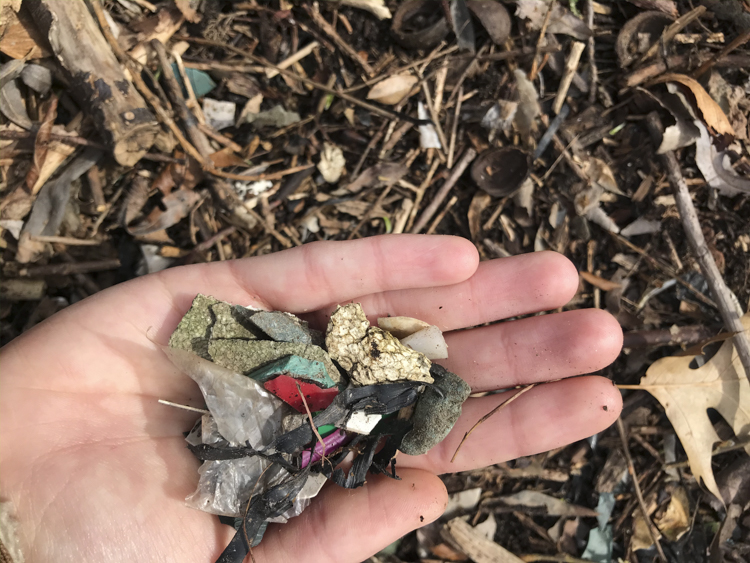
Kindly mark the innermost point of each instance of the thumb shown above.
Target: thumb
(344, 525)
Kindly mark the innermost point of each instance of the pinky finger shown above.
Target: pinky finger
(343, 525)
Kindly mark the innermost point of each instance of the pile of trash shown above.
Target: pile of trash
(288, 405)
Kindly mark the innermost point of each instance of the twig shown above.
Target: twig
(489, 414)
(295, 58)
(420, 193)
(669, 33)
(369, 211)
(677, 63)
(135, 76)
(175, 93)
(433, 114)
(184, 407)
(95, 185)
(68, 241)
(430, 210)
(593, 71)
(312, 426)
(329, 30)
(571, 65)
(728, 306)
(680, 336)
(384, 111)
(192, 101)
(219, 138)
(454, 127)
(440, 216)
(542, 33)
(738, 41)
(641, 503)
(68, 269)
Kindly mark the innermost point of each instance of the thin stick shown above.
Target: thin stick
(641, 503)
(68, 241)
(738, 41)
(497, 409)
(312, 426)
(420, 193)
(366, 216)
(434, 115)
(295, 58)
(454, 127)
(329, 30)
(593, 71)
(135, 75)
(669, 33)
(192, 101)
(542, 33)
(431, 209)
(184, 407)
(728, 306)
(384, 111)
(440, 216)
(571, 65)
(219, 138)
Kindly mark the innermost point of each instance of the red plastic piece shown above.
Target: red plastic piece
(285, 388)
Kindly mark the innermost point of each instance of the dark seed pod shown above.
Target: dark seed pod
(500, 172)
(415, 27)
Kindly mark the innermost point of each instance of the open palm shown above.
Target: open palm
(97, 470)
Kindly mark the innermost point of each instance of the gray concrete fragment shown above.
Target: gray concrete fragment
(434, 416)
(228, 323)
(282, 327)
(194, 329)
(370, 354)
(245, 356)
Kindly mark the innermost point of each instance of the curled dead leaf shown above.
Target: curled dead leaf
(711, 112)
(415, 25)
(500, 172)
(638, 34)
(393, 89)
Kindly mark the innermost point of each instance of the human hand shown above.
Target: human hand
(97, 470)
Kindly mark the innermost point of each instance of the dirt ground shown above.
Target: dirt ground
(521, 126)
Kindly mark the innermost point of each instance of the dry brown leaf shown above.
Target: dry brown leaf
(601, 283)
(392, 90)
(479, 203)
(41, 144)
(553, 506)
(226, 157)
(712, 113)
(177, 205)
(686, 393)
(676, 519)
(475, 545)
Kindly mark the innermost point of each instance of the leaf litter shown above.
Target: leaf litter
(403, 90)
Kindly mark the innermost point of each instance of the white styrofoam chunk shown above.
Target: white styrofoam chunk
(362, 423)
(429, 341)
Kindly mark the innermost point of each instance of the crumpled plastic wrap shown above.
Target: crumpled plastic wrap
(242, 411)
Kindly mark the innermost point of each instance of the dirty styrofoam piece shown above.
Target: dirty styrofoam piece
(362, 423)
(219, 115)
(429, 341)
(428, 137)
(369, 353)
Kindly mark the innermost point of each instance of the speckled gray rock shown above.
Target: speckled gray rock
(434, 416)
(245, 356)
(370, 354)
(282, 327)
(227, 323)
(194, 329)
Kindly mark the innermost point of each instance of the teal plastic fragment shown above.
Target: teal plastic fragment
(199, 80)
(296, 367)
(326, 429)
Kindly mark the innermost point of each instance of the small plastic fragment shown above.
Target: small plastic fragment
(362, 423)
(434, 416)
(428, 137)
(332, 442)
(297, 368)
(219, 115)
(227, 323)
(282, 327)
(285, 388)
(401, 327)
(200, 81)
(193, 331)
(429, 341)
(370, 354)
(274, 117)
(37, 77)
(245, 356)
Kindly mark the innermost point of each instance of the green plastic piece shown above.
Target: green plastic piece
(326, 429)
(199, 80)
(246, 356)
(296, 367)
(194, 329)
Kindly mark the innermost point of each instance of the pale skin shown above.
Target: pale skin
(97, 470)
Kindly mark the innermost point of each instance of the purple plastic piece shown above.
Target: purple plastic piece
(333, 441)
